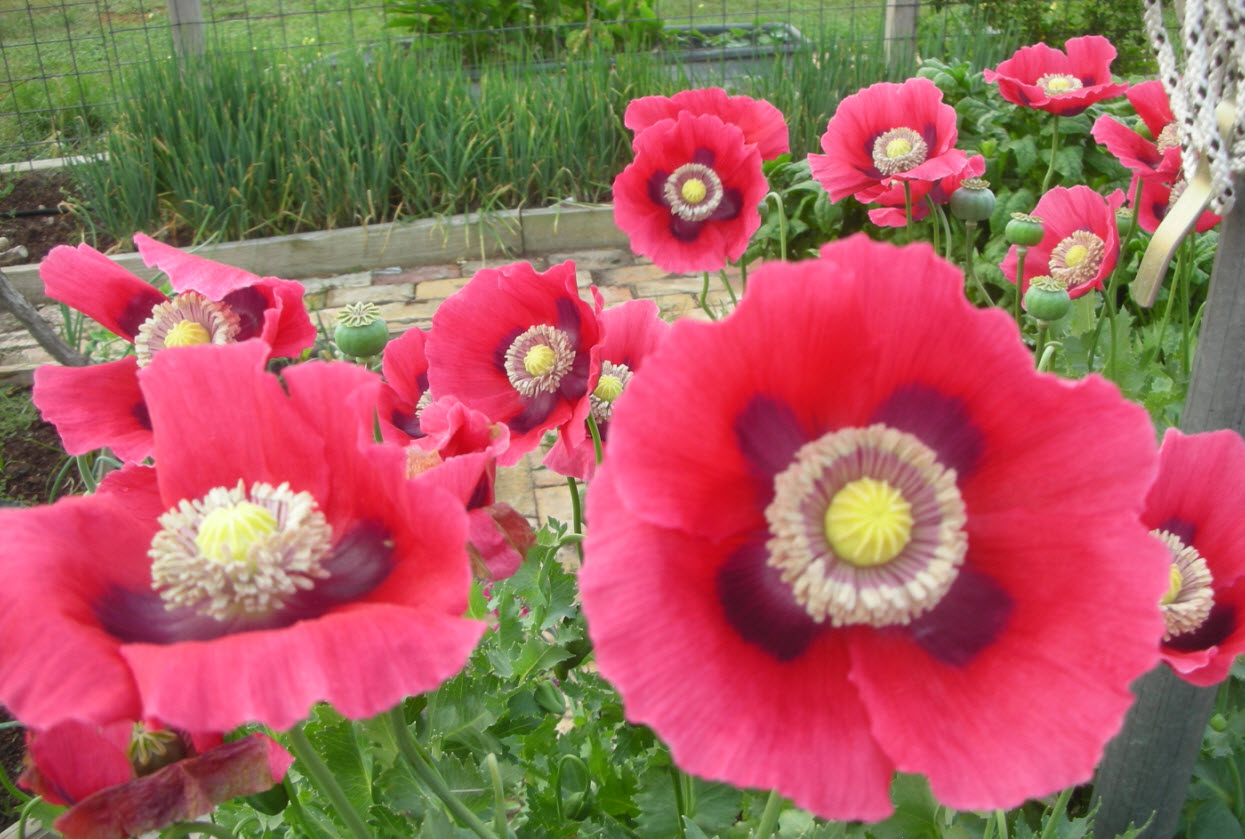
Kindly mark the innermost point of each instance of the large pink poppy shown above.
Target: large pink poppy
(129, 603)
(1080, 244)
(126, 779)
(1058, 81)
(762, 124)
(101, 406)
(521, 347)
(632, 331)
(820, 546)
(885, 136)
(1188, 510)
(689, 199)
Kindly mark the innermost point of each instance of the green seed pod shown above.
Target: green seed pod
(973, 201)
(1219, 723)
(1047, 299)
(550, 698)
(1024, 230)
(360, 332)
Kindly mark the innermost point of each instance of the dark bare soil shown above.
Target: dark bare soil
(26, 217)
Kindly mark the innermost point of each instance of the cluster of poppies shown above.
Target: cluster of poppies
(821, 547)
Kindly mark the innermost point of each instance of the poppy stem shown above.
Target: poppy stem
(1054, 147)
(782, 225)
(577, 514)
(1058, 808)
(726, 281)
(907, 208)
(704, 298)
(597, 447)
(499, 796)
(769, 816)
(420, 763)
(1021, 252)
(1113, 279)
(680, 804)
(970, 252)
(322, 778)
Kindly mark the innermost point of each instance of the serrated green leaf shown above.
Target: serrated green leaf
(1213, 820)
(1026, 154)
(1068, 163)
(337, 741)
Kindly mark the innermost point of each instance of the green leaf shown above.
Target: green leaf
(1026, 154)
(337, 741)
(1068, 162)
(1213, 820)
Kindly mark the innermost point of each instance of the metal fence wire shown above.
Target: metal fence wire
(62, 62)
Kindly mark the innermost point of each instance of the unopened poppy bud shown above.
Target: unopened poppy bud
(1047, 298)
(1123, 221)
(989, 148)
(973, 201)
(1219, 723)
(361, 331)
(1024, 230)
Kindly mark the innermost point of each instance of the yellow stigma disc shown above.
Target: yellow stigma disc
(898, 147)
(539, 360)
(1075, 255)
(187, 333)
(868, 522)
(227, 533)
(693, 190)
(1175, 584)
(608, 388)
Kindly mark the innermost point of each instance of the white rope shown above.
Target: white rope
(1213, 33)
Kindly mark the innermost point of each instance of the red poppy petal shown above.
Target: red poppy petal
(188, 272)
(728, 710)
(74, 759)
(364, 659)
(86, 280)
(405, 365)
(96, 407)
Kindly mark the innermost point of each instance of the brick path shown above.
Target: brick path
(408, 297)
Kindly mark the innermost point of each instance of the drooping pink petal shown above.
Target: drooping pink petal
(84, 279)
(762, 124)
(96, 407)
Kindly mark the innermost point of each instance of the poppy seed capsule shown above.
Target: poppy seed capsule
(361, 332)
(1047, 299)
(1024, 230)
(973, 201)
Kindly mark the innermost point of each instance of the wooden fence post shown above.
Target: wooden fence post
(900, 33)
(1147, 767)
(186, 21)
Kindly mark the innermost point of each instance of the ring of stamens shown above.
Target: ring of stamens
(610, 385)
(1169, 138)
(1077, 258)
(693, 191)
(1191, 595)
(867, 527)
(538, 359)
(1055, 84)
(899, 150)
(187, 319)
(238, 553)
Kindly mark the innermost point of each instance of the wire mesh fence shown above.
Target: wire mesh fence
(62, 62)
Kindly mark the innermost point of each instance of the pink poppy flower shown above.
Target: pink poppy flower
(1081, 241)
(128, 603)
(1059, 82)
(632, 331)
(100, 406)
(895, 214)
(405, 392)
(820, 546)
(1186, 508)
(763, 125)
(887, 135)
(1156, 163)
(125, 779)
(689, 199)
(521, 347)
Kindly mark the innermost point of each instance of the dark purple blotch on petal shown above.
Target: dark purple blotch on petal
(703, 157)
(768, 434)
(574, 383)
(137, 310)
(249, 304)
(728, 209)
(685, 231)
(929, 134)
(569, 320)
(503, 346)
(407, 423)
(939, 421)
(535, 411)
(141, 415)
(760, 606)
(966, 621)
(656, 185)
(1218, 625)
(358, 563)
(1185, 531)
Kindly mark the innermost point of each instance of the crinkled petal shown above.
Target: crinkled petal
(96, 407)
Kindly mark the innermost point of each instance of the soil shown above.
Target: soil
(35, 213)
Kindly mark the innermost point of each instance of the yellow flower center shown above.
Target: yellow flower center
(227, 533)
(1054, 84)
(693, 190)
(187, 333)
(1075, 255)
(868, 522)
(539, 360)
(608, 388)
(898, 147)
(1174, 585)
